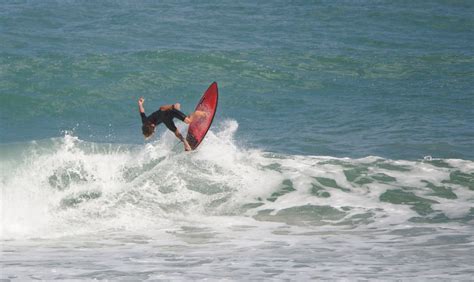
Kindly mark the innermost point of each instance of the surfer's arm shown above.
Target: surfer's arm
(141, 109)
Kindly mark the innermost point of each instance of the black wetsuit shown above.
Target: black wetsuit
(165, 117)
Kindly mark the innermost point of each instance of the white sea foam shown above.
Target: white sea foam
(67, 186)
(153, 211)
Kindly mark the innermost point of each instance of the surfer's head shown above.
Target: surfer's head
(148, 129)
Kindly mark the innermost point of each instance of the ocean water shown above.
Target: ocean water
(342, 147)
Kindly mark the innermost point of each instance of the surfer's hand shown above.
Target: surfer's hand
(141, 100)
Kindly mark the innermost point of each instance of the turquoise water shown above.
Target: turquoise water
(346, 79)
(342, 145)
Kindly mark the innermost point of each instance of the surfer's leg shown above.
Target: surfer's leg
(170, 124)
(175, 113)
(182, 139)
(172, 127)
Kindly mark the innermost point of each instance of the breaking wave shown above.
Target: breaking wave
(65, 186)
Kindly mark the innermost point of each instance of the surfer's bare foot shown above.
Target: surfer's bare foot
(186, 146)
(177, 106)
(201, 114)
(195, 115)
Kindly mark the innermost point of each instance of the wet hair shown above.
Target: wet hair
(147, 129)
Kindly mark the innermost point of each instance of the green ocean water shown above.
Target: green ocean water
(342, 147)
(314, 78)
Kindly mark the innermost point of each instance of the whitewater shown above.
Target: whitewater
(75, 209)
(341, 149)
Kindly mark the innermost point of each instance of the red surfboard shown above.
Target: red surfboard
(198, 128)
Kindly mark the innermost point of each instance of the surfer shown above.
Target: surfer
(166, 114)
